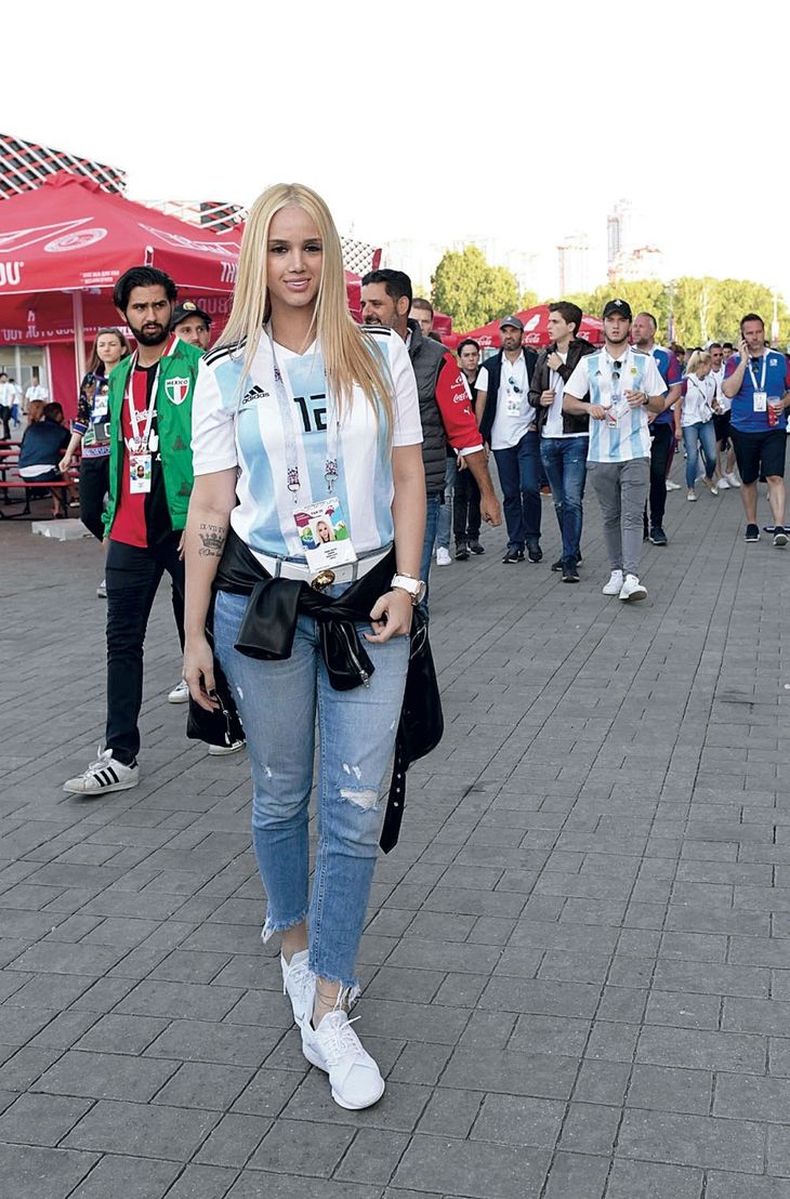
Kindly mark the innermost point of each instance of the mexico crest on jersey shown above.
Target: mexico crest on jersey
(176, 390)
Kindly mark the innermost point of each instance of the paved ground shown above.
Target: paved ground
(577, 966)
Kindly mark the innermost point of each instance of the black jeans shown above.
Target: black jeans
(466, 513)
(133, 576)
(662, 437)
(94, 483)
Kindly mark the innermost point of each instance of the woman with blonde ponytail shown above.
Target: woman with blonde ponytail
(302, 421)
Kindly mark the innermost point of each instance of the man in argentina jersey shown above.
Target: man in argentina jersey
(247, 428)
(616, 386)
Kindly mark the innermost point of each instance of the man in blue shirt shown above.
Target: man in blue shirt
(662, 427)
(757, 380)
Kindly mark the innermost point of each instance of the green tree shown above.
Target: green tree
(644, 295)
(470, 290)
(529, 299)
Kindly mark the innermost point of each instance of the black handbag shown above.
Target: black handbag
(222, 725)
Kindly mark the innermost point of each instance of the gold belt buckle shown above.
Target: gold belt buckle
(324, 578)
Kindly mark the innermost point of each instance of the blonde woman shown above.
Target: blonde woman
(297, 405)
(696, 421)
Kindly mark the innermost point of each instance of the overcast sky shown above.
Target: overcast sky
(438, 122)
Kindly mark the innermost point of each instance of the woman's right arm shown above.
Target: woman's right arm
(65, 462)
(213, 499)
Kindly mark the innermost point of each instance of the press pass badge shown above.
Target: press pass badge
(139, 473)
(324, 536)
(761, 401)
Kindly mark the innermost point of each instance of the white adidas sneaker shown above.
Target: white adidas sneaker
(105, 774)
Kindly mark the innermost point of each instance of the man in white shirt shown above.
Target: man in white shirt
(507, 423)
(36, 391)
(7, 401)
(622, 384)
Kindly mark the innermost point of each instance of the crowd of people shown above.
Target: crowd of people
(295, 482)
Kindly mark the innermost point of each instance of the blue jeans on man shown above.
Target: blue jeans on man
(519, 469)
(433, 506)
(565, 462)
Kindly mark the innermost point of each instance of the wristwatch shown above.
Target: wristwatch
(415, 588)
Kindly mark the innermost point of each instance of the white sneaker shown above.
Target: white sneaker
(443, 556)
(722, 484)
(335, 1048)
(691, 496)
(733, 480)
(101, 590)
(105, 774)
(632, 589)
(672, 486)
(614, 586)
(299, 984)
(179, 694)
(219, 751)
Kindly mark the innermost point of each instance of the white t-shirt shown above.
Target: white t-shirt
(514, 414)
(725, 403)
(553, 426)
(237, 422)
(606, 379)
(699, 392)
(7, 395)
(36, 392)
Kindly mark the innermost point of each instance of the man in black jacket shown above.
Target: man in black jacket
(563, 437)
(507, 423)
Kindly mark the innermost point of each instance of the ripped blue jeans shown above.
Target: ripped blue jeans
(278, 703)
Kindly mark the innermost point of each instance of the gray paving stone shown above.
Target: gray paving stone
(233, 1140)
(516, 1120)
(132, 1177)
(577, 1175)
(303, 1148)
(667, 1088)
(179, 1001)
(701, 1049)
(105, 1076)
(140, 1130)
(205, 1085)
(202, 1182)
(254, 1183)
(739, 1186)
(201, 1041)
(122, 1034)
(685, 1140)
(752, 1098)
(40, 1119)
(646, 1180)
(510, 1072)
(480, 1170)
(43, 1173)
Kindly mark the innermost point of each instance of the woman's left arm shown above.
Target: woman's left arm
(391, 614)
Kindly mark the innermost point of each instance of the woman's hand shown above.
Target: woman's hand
(64, 463)
(199, 672)
(391, 616)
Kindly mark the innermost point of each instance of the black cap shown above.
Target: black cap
(513, 322)
(617, 308)
(186, 309)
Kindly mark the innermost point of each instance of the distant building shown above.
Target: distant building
(573, 264)
(25, 165)
(619, 233)
(209, 214)
(644, 262)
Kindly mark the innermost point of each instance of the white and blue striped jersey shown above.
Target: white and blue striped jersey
(606, 378)
(237, 421)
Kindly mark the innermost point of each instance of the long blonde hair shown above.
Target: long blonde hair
(350, 358)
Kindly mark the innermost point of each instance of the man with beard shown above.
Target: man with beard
(615, 387)
(150, 409)
(445, 410)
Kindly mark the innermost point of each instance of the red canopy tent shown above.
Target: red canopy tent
(536, 332)
(63, 246)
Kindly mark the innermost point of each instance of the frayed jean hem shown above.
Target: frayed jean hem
(280, 926)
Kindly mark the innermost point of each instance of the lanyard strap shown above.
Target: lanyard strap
(141, 443)
(762, 376)
(293, 481)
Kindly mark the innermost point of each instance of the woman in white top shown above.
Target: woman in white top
(301, 418)
(696, 420)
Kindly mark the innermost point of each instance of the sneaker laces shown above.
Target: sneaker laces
(103, 758)
(338, 1039)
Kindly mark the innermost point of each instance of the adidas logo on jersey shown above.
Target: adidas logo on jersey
(255, 393)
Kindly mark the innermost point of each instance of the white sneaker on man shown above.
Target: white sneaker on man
(672, 486)
(443, 556)
(105, 774)
(299, 984)
(615, 584)
(334, 1047)
(632, 589)
(722, 484)
(220, 751)
(733, 479)
(179, 694)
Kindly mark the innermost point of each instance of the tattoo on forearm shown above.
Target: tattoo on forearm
(212, 538)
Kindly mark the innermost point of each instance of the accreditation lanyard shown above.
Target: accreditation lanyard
(762, 376)
(293, 480)
(139, 443)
